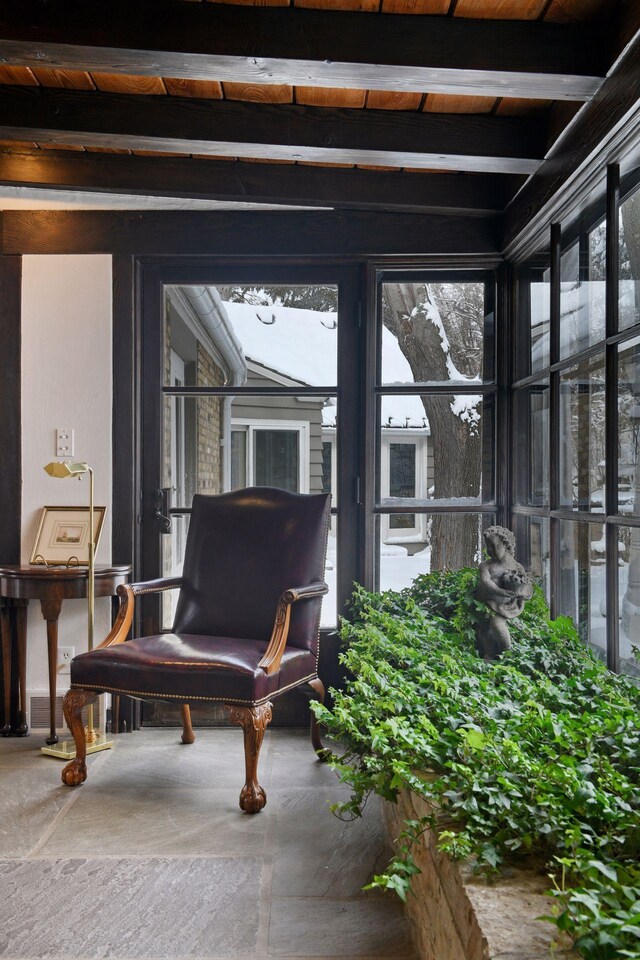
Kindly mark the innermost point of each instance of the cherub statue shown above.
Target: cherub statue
(504, 586)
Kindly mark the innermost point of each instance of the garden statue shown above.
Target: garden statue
(504, 586)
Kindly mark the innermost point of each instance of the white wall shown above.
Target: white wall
(66, 382)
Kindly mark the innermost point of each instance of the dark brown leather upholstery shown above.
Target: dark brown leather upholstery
(191, 667)
(244, 550)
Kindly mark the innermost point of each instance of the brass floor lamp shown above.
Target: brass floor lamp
(66, 749)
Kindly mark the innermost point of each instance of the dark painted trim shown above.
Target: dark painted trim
(571, 165)
(11, 406)
(473, 195)
(267, 234)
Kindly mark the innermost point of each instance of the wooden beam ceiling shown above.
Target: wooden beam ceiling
(470, 195)
(306, 47)
(613, 112)
(232, 234)
(485, 144)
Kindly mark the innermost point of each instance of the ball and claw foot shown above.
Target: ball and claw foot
(74, 773)
(252, 798)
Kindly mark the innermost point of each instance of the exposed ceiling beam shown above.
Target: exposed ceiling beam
(599, 133)
(312, 233)
(483, 144)
(470, 195)
(253, 44)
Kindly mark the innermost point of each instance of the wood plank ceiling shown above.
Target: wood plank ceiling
(55, 93)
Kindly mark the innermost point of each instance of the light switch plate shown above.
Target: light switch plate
(64, 442)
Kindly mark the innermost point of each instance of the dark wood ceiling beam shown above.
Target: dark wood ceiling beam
(253, 44)
(600, 133)
(483, 144)
(472, 195)
(334, 234)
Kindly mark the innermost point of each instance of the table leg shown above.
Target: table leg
(5, 630)
(51, 612)
(22, 730)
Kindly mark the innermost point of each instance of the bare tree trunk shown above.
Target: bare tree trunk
(456, 443)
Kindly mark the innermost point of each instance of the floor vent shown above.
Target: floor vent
(38, 718)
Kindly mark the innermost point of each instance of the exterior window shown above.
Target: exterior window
(434, 445)
(629, 256)
(277, 459)
(270, 454)
(576, 419)
(402, 481)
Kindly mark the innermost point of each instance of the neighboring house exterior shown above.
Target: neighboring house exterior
(215, 444)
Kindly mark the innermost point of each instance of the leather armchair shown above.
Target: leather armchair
(246, 627)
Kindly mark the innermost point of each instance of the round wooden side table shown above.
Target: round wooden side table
(49, 585)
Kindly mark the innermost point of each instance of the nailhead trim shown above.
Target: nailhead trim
(186, 698)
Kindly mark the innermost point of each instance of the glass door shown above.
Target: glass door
(242, 387)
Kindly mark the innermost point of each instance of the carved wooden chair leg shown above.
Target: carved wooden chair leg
(188, 736)
(75, 772)
(254, 721)
(322, 753)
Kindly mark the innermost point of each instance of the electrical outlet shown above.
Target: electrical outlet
(65, 656)
(64, 442)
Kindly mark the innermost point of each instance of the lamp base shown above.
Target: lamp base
(66, 749)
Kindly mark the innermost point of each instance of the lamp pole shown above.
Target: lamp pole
(72, 468)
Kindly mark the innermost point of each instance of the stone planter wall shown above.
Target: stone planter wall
(456, 916)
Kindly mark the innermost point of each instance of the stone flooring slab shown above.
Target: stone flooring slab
(142, 822)
(152, 857)
(364, 927)
(345, 855)
(133, 908)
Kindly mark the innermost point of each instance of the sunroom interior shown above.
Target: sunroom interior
(387, 250)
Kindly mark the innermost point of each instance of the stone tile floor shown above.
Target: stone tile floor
(152, 858)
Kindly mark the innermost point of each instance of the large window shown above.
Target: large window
(246, 372)
(435, 401)
(576, 405)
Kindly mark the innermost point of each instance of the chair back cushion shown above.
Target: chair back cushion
(244, 549)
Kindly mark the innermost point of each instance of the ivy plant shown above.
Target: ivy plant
(534, 754)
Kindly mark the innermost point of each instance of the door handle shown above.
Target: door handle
(162, 501)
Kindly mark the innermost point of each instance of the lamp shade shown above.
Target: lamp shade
(66, 468)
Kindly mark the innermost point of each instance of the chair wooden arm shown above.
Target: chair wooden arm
(128, 593)
(270, 662)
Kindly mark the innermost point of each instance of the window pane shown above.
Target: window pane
(582, 436)
(238, 459)
(582, 293)
(532, 548)
(629, 247)
(451, 450)
(432, 332)
(628, 427)
(629, 591)
(402, 480)
(582, 593)
(259, 336)
(277, 459)
(329, 616)
(172, 547)
(215, 444)
(531, 444)
(449, 541)
(540, 308)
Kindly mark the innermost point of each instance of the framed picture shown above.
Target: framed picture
(63, 535)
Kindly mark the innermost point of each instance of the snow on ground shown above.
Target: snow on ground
(397, 570)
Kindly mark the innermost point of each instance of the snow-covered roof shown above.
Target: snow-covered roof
(302, 345)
